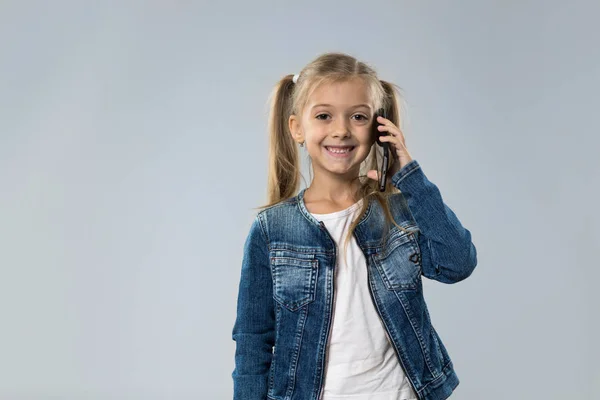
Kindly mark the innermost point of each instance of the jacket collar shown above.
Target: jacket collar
(311, 218)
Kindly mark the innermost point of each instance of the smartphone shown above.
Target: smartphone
(386, 148)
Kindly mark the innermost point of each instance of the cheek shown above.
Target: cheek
(316, 133)
(367, 139)
(366, 149)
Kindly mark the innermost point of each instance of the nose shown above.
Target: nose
(341, 129)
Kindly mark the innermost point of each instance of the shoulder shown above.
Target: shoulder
(272, 214)
(283, 207)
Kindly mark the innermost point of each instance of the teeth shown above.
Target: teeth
(339, 150)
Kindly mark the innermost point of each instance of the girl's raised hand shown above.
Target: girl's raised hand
(398, 150)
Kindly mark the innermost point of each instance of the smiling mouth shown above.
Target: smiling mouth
(340, 150)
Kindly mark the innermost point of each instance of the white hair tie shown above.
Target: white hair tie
(295, 78)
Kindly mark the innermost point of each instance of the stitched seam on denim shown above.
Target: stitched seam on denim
(389, 285)
(380, 268)
(295, 305)
(442, 375)
(367, 212)
(397, 239)
(375, 294)
(438, 270)
(378, 246)
(309, 250)
(263, 229)
(294, 363)
(434, 336)
(282, 203)
(416, 331)
(407, 173)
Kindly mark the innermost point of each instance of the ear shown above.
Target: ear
(294, 127)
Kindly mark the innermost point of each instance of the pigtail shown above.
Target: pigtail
(284, 159)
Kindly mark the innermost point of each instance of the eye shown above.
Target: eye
(364, 117)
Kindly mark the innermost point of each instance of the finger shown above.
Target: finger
(392, 130)
(392, 143)
(373, 174)
(386, 122)
(396, 145)
(383, 120)
(388, 138)
(395, 136)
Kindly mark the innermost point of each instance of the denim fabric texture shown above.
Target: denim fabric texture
(286, 290)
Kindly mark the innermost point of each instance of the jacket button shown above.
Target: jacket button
(414, 258)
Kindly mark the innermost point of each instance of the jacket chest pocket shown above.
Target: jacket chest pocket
(399, 262)
(294, 279)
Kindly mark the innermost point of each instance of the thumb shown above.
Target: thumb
(373, 174)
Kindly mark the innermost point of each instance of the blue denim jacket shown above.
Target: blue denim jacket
(286, 290)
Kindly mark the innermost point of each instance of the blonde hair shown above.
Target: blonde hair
(289, 98)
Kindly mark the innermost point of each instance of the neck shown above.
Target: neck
(333, 191)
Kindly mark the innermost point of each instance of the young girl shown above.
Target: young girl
(330, 302)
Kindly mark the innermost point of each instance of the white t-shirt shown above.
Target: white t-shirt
(361, 362)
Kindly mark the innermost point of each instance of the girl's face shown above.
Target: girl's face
(336, 127)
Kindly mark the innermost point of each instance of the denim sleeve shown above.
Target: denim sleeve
(254, 327)
(448, 254)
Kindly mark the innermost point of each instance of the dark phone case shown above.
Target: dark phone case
(386, 152)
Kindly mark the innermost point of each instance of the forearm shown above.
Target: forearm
(449, 254)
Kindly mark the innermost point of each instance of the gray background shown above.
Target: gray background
(133, 149)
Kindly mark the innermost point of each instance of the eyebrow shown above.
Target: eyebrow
(329, 105)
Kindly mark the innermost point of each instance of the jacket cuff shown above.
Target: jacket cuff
(405, 171)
